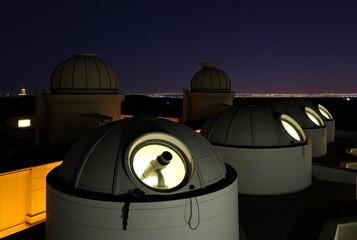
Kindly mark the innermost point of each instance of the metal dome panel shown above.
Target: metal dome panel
(84, 73)
(249, 126)
(296, 110)
(100, 162)
(210, 79)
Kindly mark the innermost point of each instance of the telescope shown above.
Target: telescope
(155, 166)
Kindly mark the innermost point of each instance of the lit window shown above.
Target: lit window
(160, 161)
(293, 128)
(314, 117)
(325, 112)
(24, 123)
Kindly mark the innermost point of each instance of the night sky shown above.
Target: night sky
(157, 46)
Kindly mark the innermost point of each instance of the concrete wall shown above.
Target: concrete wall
(65, 113)
(201, 105)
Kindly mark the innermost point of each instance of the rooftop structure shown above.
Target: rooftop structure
(310, 122)
(142, 178)
(84, 95)
(210, 79)
(210, 93)
(269, 150)
(84, 73)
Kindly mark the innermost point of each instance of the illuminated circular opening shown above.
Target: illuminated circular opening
(313, 116)
(293, 128)
(160, 162)
(325, 112)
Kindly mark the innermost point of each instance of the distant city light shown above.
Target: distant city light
(22, 92)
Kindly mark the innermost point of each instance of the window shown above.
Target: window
(314, 117)
(325, 112)
(160, 161)
(23, 123)
(293, 128)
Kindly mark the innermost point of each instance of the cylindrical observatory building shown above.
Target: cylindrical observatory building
(142, 178)
(84, 95)
(310, 122)
(268, 149)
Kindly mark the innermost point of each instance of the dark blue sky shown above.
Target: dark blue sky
(157, 46)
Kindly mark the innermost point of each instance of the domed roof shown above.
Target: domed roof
(107, 160)
(251, 126)
(318, 108)
(299, 112)
(210, 79)
(84, 73)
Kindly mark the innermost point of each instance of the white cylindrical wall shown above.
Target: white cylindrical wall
(318, 137)
(70, 217)
(270, 171)
(330, 124)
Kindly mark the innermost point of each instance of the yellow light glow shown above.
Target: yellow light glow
(22, 92)
(23, 198)
(22, 123)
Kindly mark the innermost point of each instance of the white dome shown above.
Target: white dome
(318, 108)
(299, 112)
(251, 126)
(104, 161)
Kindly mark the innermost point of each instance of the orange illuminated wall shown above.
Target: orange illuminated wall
(23, 198)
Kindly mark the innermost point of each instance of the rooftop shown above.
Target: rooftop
(309, 214)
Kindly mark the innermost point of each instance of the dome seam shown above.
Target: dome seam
(230, 125)
(99, 73)
(73, 72)
(84, 161)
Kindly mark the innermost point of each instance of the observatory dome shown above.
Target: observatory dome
(210, 79)
(84, 73)
(310, 121)
(269, 150)
(304, 115)
(112, 159)
(142, 178)
(252, 126)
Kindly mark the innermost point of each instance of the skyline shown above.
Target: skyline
(157, 46)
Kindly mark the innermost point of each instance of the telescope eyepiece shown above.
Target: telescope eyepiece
(164, 158)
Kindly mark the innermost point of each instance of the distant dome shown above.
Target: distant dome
(304, 115)
(318, 108)
(84, 73)
(210, 79)
(252, 126)
(105, 160)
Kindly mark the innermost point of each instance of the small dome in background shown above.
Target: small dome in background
(210, 79)
(252, 126)
(84, 73)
